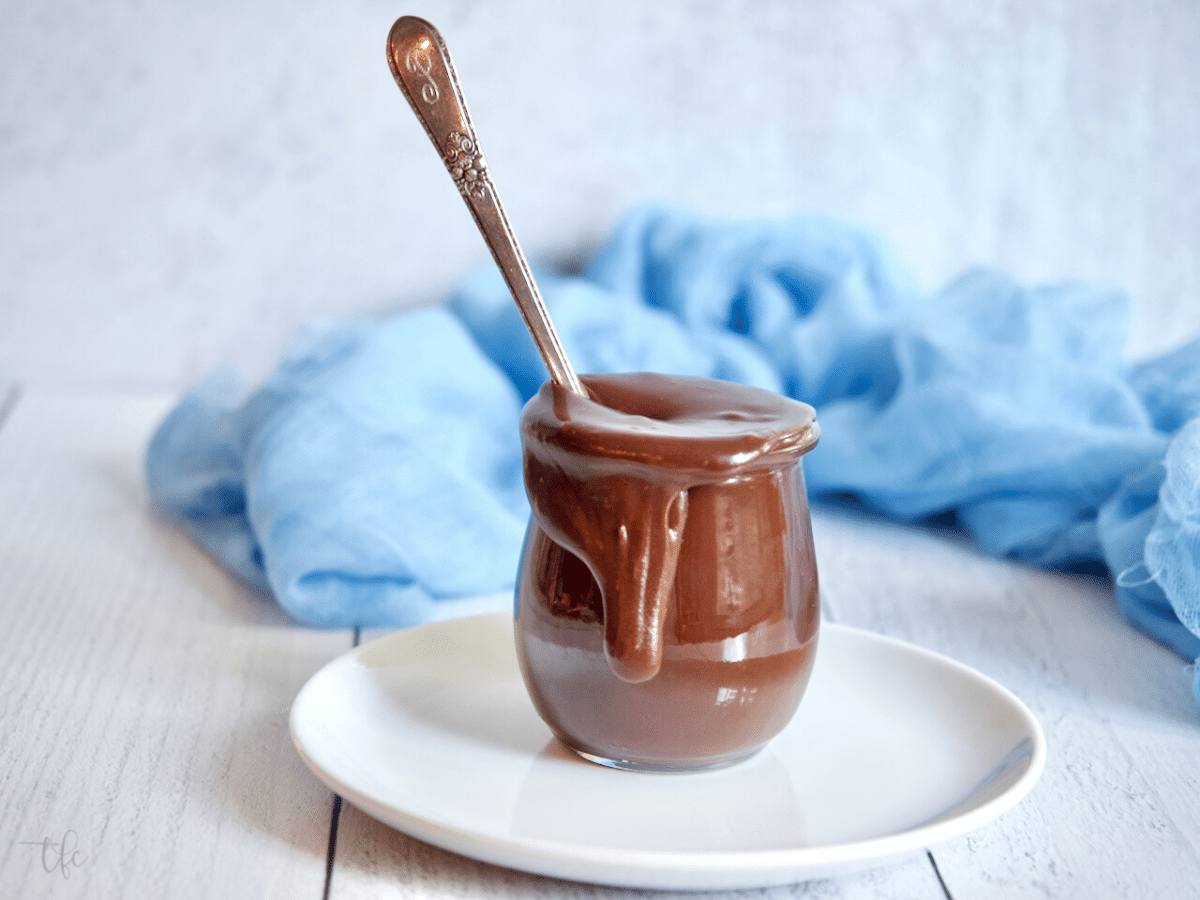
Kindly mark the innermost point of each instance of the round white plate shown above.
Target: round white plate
(893, 749)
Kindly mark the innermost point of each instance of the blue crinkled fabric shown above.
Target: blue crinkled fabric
(375, 479)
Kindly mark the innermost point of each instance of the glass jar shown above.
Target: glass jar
(667, 603)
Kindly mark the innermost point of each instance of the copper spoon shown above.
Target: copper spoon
(423, 69)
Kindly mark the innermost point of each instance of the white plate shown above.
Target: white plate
(893, 749)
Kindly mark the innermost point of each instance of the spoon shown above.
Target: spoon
(423, 69)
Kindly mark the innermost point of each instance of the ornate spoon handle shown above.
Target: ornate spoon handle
(423, 69)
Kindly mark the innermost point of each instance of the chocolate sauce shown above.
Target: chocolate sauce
(668, 604)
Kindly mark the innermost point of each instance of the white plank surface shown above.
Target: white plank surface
(143, 696)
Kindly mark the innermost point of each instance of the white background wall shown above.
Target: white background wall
(183, 183)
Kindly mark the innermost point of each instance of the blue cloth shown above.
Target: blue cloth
(375, 478)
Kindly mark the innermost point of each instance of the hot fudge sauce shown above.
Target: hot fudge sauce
(667, 600)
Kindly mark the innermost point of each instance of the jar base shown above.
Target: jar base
(660, 768)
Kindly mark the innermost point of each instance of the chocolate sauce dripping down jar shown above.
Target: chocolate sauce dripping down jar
(667, 606)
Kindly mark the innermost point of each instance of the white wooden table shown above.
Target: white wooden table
(144, 749)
